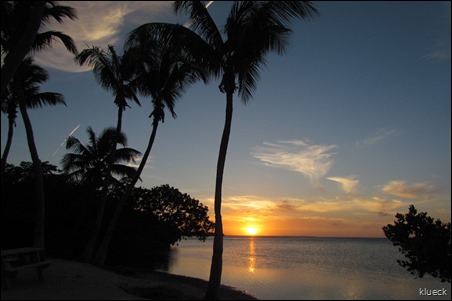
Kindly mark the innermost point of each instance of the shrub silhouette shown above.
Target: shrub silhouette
(424, 242)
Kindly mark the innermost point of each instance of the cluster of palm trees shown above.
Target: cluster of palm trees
(160, 61)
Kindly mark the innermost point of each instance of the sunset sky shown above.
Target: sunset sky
(349, 127)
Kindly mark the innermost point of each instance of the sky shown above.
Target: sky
(350, 126)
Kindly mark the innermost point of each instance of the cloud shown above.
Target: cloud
(440, 55)
(99, 23)
(379, 136)
(137, 161)
(348, 184)
(349, 216)
(314, 161)
(402, 189)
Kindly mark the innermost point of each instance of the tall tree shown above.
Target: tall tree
(163, 72)
(114, 73)
(25, 83)
(29, 83)
(21, 21)
(94, 163)
(236, 55)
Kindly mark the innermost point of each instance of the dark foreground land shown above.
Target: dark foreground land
(69, 280)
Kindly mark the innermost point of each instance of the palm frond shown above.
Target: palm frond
(112, 72)
(44, 98)
(58, 12)
(45, 40)
(88, 163)
(123, 170)
(126, 154)
(284, 12)
(201, 21)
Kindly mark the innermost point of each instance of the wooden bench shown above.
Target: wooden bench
(14, 260)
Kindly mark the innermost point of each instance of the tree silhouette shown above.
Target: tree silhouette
(29, 87)
(163, 72)
(21, 21)
(88, 163)
(424, 242)
(252, 29)
(24, 89)
(114, 73)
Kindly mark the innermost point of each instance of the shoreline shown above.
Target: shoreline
(174, 287)
(69, 280)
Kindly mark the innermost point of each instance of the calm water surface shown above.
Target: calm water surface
(306, 268)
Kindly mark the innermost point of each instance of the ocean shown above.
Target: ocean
(304, 268)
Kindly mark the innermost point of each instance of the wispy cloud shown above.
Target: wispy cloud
(440, 49)
(298, 216)
(415, 190)
(314, 161)
(440, 55)
(100, 23)
(377, 137)
(348, 184)
(137, 161)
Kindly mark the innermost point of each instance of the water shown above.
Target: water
(294, 268)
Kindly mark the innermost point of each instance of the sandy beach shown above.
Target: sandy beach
(72, 280)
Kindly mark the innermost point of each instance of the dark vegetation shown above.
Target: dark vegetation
(151, 222)
(425, 242)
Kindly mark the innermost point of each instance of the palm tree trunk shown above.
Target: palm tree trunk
(39, 236)
(8, 143)
(5, 155)
(23, 46)
(101, 254)
(217, 257)
(88, 252)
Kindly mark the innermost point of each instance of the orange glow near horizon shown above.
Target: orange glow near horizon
(251, 230)
(236, 225)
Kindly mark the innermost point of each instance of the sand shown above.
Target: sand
(72, 280)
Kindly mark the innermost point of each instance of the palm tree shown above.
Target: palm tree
(33, 98)
(21, 21)
(88, 163)
(24, 87)
(163, 72)
(252, 29)
(113, 72)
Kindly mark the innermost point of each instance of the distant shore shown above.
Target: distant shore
(69, 280)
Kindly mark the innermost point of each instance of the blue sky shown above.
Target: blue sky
(349, 127)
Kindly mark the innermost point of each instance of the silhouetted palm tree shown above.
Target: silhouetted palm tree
(21, 21)
(162, 72)
(88, 163)
(252, 29)
(29, 83)
(25, 90)
(114, 73)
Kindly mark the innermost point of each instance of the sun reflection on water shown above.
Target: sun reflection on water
(252, 257)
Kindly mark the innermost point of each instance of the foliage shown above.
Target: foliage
(424, 242)
(152, 220)
(89, 163)
(24, 171)
(112, 71)
(169, 205)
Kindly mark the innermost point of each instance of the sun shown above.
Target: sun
(251, 230)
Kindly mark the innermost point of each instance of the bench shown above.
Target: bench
(14, 260)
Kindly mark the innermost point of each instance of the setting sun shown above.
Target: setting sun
(251, 230)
